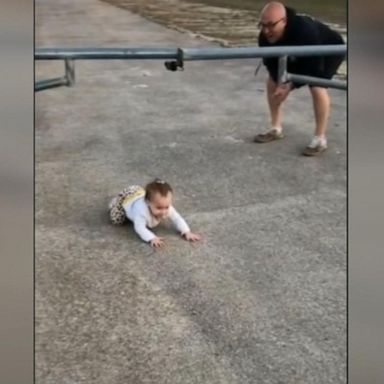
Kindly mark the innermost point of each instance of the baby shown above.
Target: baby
(146, 208)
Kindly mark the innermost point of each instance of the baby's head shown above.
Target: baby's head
(158, 195)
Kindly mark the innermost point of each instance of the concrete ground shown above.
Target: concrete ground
(262, 299)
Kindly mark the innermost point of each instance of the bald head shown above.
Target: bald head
(274, 9)
(273, 19)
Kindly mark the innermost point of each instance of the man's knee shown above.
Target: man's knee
(271, 84)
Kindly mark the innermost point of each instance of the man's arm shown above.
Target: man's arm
(271, 63)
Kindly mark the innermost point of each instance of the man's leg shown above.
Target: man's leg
(321, 107)
(274, 105)
(275, 132)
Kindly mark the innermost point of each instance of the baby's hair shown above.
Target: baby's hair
(157, 186)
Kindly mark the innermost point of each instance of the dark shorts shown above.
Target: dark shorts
(329, 67)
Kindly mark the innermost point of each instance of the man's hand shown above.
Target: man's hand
(190, 236)
(157, 242)
(282, 91)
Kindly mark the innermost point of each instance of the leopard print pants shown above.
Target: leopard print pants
(116, 210)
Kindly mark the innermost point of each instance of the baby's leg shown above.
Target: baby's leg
(112, 203)
(116, 211)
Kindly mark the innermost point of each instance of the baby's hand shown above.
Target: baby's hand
(190, 236)
(157, 242)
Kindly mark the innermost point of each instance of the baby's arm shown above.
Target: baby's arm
(177, 221)
(140, 226)
(180, 224)
(139, 219)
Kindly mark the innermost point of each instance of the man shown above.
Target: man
(281, 26)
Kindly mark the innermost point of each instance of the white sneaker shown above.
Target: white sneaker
(316, 146)
(318, 141)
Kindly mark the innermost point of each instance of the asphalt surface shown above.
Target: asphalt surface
(262, 299)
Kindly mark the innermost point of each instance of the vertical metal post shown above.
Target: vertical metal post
(70, 72)
(282, 71)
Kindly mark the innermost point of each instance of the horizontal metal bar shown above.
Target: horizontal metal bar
(50, 83)
(338, 84)
(215, 53)
(105, 53)
(210, 53)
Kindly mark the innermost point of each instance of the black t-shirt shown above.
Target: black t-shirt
(302, 30)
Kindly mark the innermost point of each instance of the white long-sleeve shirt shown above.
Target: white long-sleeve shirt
(138, 212)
